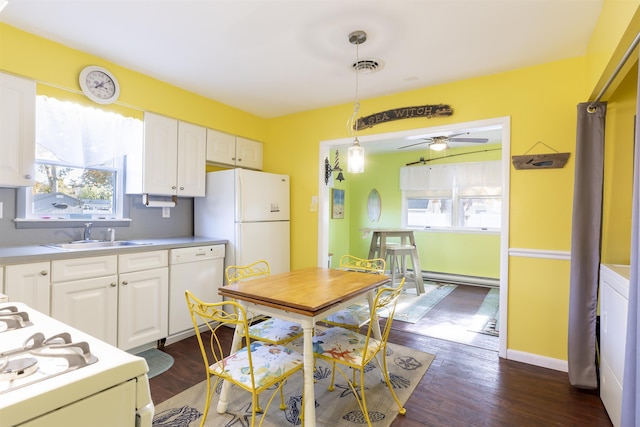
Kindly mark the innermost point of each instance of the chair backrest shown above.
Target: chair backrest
(215, 316)
(353, 263)
(238, 273)
(384, 304)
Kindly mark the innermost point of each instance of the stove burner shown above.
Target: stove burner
(11, 318)
(40, 358)
(18, 368)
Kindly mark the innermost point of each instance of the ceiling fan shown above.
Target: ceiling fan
(439, 143)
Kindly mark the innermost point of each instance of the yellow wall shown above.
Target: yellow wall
(56, 69)
(618, 172)
(541, 101)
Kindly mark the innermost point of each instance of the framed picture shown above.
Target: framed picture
(337, 203)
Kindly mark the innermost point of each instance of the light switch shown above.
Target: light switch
(166, 212)
(314, 204)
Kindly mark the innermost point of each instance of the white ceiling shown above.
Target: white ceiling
(276, 57)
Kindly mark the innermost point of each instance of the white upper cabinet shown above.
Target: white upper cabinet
(192, 151)
(170, 161)
(231, 150)
(17, 131)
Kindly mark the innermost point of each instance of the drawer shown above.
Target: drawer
(83, 268)
(142, 261)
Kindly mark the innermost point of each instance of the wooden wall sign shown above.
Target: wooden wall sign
(428, 111)
(540, 161)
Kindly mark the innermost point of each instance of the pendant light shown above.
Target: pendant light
(355, 153)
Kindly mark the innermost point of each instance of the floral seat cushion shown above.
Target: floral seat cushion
(269, 363)
(354, 315)
(343, 344)
(276, 331)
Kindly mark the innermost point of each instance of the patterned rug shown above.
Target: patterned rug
(333, 409)
(487, 319)
(411, 308)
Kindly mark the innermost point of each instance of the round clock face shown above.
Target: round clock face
(99, 85)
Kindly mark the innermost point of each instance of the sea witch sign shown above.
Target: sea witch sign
(428, 111)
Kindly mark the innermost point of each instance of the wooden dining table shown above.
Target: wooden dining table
(305, 296)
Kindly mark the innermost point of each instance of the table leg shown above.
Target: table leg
(309, 367)
(236, 344)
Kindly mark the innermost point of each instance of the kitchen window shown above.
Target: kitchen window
(461, 196)
(80, 154)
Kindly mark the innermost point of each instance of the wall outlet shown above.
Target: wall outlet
(166, 212)
(0, 209)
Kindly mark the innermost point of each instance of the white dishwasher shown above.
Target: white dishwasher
(199, 269)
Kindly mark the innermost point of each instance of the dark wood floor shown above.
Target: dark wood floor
(467, 384)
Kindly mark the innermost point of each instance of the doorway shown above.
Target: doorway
(375, 142)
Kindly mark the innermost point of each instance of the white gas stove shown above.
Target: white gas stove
(54, 375)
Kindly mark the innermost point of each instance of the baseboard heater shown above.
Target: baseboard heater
(460, 279)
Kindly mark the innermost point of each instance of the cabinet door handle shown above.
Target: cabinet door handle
(44, 272)
(113, 285)
(181, 188)
(124, 282)
(233, 158)
(173, 187)
(239, 160)
(27, 177)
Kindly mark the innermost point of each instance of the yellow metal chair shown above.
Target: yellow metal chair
(340, 346)
(356, 315)
(271, 330)
(255, 368)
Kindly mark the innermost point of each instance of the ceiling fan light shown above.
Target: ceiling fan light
(438, 146)
(355, 158)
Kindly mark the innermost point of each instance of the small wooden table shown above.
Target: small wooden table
(306, 296)
(378, 248)
(379, 236)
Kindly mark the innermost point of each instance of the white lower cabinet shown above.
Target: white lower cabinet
(120, 299)
(614, 297)
(143, 300)
(29, 284)
(84, 294)
(90, 305)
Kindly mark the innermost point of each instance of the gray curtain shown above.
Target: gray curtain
(631, 381)
(585, 245)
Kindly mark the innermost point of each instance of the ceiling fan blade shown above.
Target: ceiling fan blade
(426, 141)
(479, 140)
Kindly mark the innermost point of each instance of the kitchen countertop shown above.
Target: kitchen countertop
(34, 253)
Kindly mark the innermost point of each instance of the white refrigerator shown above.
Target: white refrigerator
(250, 209)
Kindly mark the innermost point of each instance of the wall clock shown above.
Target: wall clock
(99, 85)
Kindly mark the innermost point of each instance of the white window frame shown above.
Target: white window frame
(416, 184)
(26, 218)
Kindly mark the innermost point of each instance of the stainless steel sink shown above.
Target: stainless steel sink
(82, 245)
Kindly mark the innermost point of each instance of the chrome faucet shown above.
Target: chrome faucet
(112, 234)
(87, 230)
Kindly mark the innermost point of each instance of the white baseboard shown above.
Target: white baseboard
(460, 279)
(537, 360)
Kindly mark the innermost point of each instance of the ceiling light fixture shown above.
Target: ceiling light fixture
(355, 153)
(439, 145)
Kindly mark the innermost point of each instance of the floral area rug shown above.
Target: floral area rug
(336, 408)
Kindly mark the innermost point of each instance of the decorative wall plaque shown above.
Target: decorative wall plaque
(428, 111)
